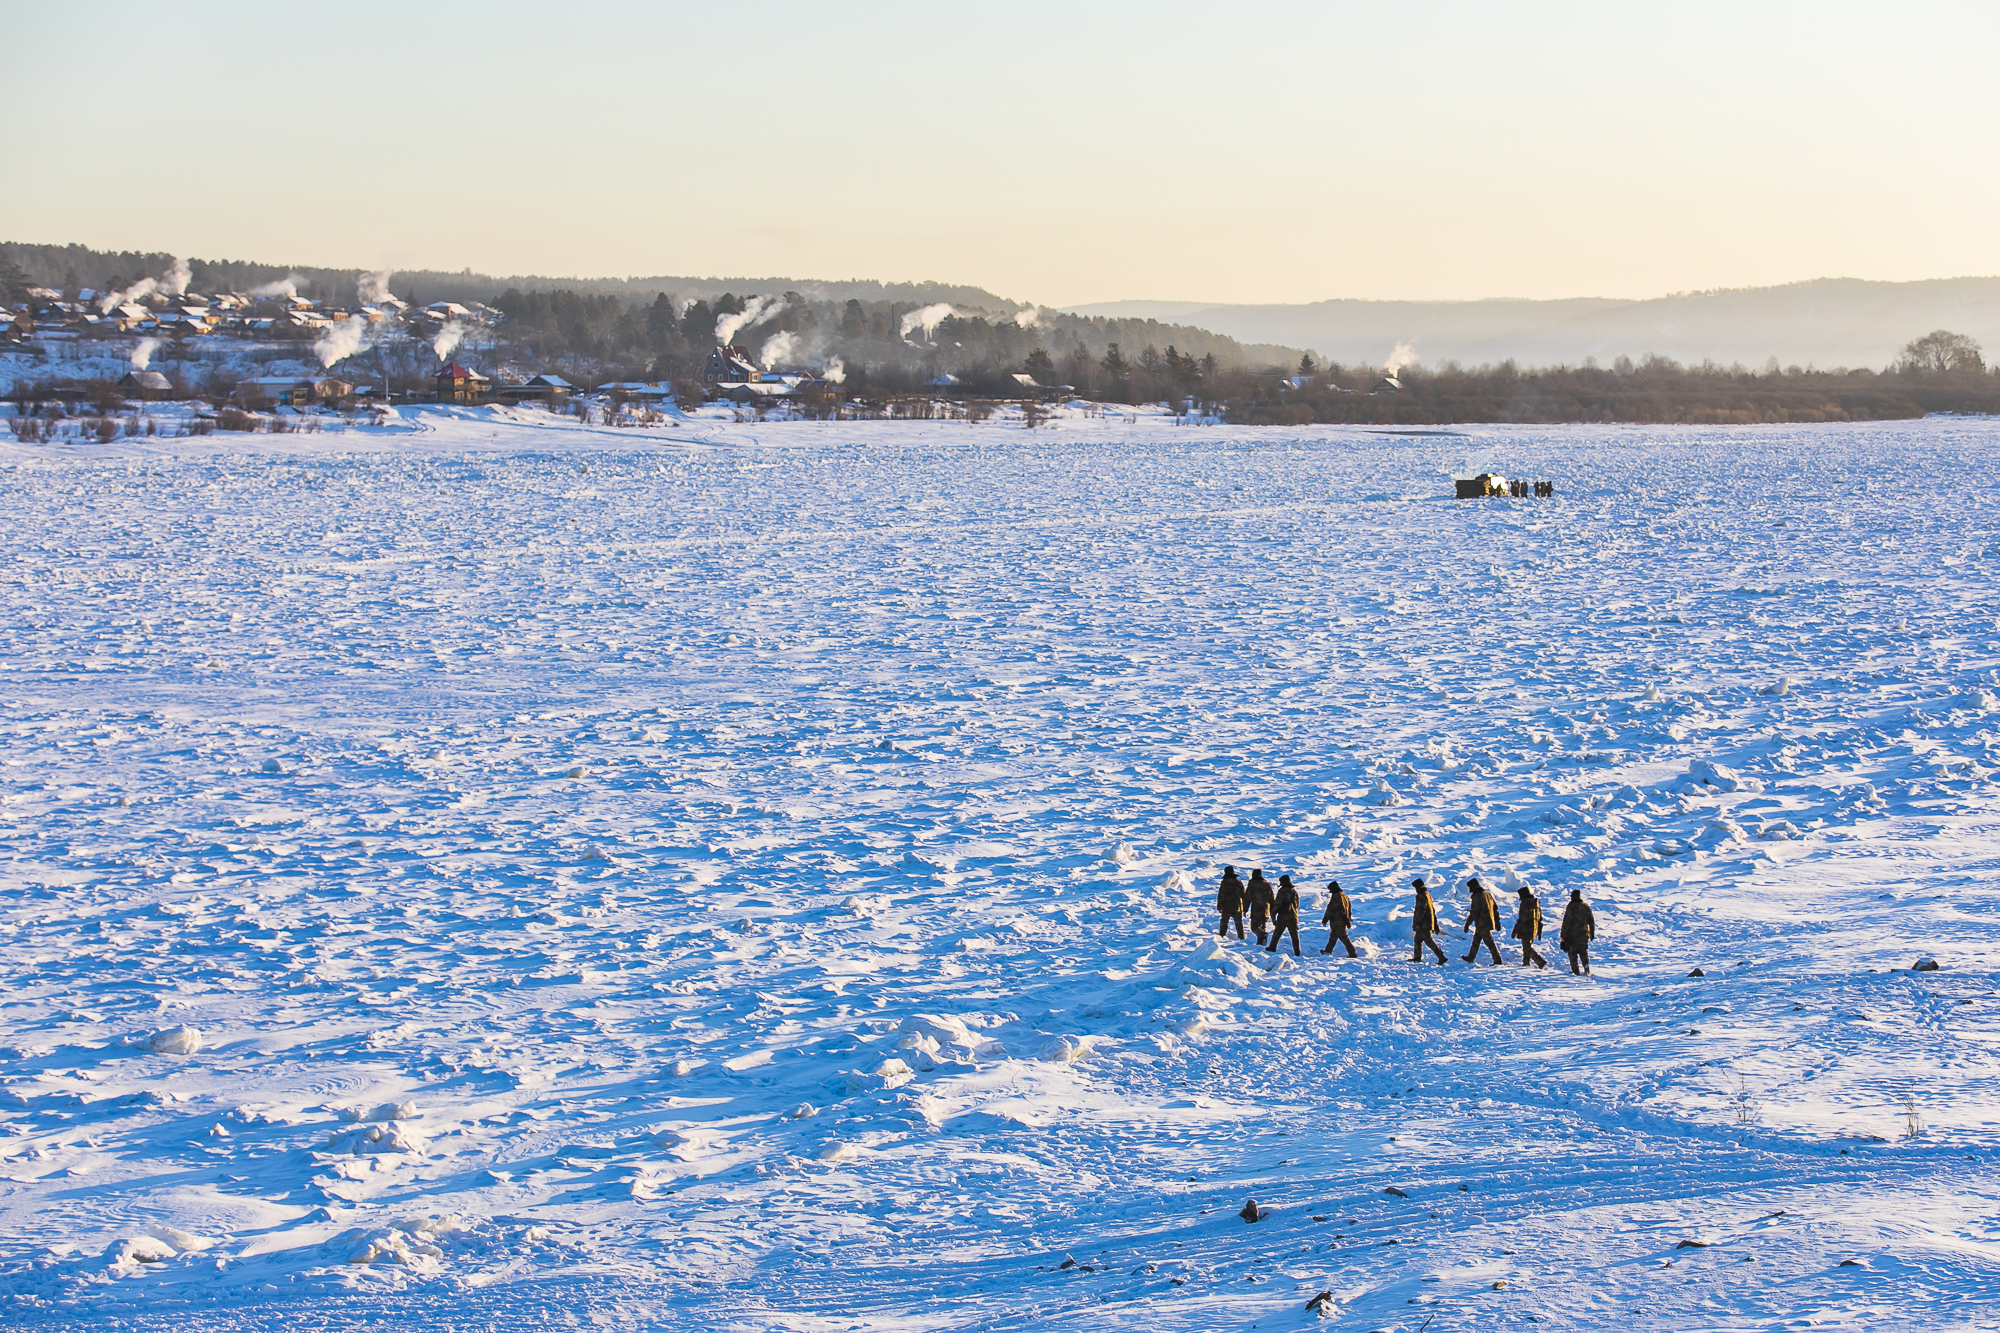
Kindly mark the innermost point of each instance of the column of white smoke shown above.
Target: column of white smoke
(758, 310)
(173, 282)
(781, 348)
(142, 352)
(448, 338)
(342, 340)
(927, 319)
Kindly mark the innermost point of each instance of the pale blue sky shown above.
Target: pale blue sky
(1058, 153)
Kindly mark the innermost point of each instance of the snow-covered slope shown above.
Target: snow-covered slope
(758, 877)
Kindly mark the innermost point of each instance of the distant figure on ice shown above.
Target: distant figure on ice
(1425, 924)
(1482, 920)
(1579, 928)
(1338, 917)
(1258, 894)
(1229, 902)
(1284, 916)
(1528, 927)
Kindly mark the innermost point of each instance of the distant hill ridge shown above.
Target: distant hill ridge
(1826, 323)
(70, 266)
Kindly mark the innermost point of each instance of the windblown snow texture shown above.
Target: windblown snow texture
(763, 878)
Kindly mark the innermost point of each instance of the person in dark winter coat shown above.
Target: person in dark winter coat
(1528, 927)
(1229, 902)
(1284, 915)
(1338, 918)
(1579, 928)
(1257, 893)
(1425, 924)
(1483, 919)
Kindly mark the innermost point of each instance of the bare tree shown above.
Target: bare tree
(1942, 350)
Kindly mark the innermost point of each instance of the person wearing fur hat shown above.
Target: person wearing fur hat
(1483, 919)
(1229, 902)
(1338, 919)
(1528, 927)
(1284, 915)
(1425, 924)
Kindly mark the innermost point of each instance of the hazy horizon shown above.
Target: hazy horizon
(1283, 153)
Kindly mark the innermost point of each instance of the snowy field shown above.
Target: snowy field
(487, 875)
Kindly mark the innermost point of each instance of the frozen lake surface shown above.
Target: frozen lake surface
(725, 876)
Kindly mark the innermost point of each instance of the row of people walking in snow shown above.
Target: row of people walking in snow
(1273, 912)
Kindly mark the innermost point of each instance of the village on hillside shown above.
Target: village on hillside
(153, 328)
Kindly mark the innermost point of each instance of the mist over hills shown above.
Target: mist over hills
(1825, 323)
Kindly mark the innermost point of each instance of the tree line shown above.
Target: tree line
(872, 347)
(1939, 372)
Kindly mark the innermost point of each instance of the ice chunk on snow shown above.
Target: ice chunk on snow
(1064, 1050)
(1384, 794)
(1720, 778)
(175, 1041)
(1178, 881)
(368, 1139)
(184, 1241)
(393, 1245)
(938, 1030)
(891, 1073)
(1982, 701)
(127, 1257)
(1212, 959)
(1123, 854)
(273, 766)
(1720, 831)
(385, 1112)
(1778, 830)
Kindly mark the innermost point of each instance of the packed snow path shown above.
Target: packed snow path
(762, 878)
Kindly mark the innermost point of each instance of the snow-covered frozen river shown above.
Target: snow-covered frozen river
(761, 877)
